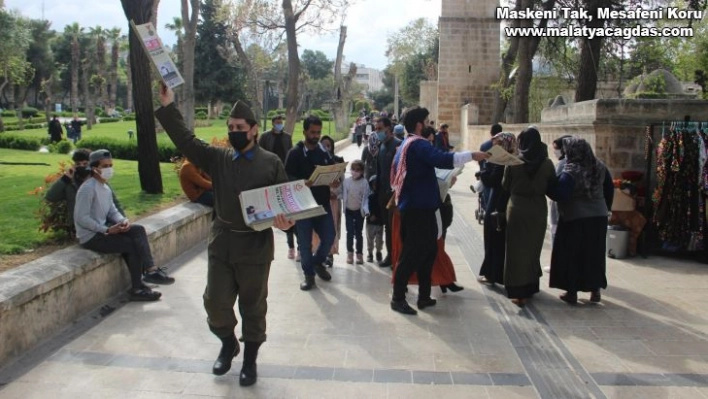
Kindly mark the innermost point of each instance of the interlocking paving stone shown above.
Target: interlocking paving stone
(432, 377)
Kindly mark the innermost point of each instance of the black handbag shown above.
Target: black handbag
(446, 213)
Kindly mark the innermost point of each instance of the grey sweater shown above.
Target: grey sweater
(94, 208)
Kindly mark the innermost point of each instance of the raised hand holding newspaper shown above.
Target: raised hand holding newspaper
(500, 156)
(445, 177)
(158, 54)
(292, 199)
(324, 175)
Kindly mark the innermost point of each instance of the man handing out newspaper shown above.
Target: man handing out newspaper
(239, 257)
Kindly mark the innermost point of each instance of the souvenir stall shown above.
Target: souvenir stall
(677, 183)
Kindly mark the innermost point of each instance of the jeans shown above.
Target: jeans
(207, 198)
(374, 237)
(355, 228)
(324, 227)
(133, 245)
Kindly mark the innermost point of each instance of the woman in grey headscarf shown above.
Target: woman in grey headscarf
(584, 195)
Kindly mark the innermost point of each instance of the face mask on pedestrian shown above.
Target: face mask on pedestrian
(239, 140)
(558, 153)
(278, 127)
(381, 135)
(106, 173)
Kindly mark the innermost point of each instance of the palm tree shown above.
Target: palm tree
(178, 28)
(115, 37)
(125, 47)
(75, 31)
(99, 34)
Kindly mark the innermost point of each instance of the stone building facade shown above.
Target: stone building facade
(469, 62)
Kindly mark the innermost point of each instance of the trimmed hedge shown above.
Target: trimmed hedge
(130, 117)
(15, 127)
(109, 120)
(127, 150)
(16, 142)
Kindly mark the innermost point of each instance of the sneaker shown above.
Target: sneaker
(378, 256)
(158, 276)
(329, 261)
(370, 258)
(359, 259)
(291, 253)
(322, 272)
(144, 295)
(350, 258)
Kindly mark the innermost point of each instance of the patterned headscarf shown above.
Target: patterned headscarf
(373, 144)
(507, 141)
(588, 171)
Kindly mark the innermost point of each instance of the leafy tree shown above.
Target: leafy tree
(218, 79)
(40, 55)
(316, 64)
(418, 37)
(189, 22)
(115, 39)
(293, 17)
(15, 37)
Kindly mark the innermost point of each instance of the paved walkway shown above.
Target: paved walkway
(648, 338)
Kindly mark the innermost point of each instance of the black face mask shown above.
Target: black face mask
(312, 140)
(239, 140)
(427, 132)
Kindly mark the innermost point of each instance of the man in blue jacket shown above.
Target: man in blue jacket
(417, 196)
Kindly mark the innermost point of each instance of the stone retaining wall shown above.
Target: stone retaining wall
(40, 298)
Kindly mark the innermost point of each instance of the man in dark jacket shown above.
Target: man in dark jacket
(387, 151)
(279, 143)
(239, 257)
(55, 130)
(300, 163)
(417, 197)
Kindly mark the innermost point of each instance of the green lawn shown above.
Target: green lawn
(120, 130)
(18, 222)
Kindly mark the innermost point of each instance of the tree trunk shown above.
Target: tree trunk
(75, 63)
(501, 99)
(141, 11)
(590, 55)
(339, 106)
(88, 103)
(291, 115)
(252, 77)
(188, 43)
(527, 49)
(129, 85)
(113, 93)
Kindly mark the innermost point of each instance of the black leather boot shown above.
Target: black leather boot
(229, 350)
(249, 373)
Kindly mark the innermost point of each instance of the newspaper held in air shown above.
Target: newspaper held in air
(293, 199)
(445, 177)
(500, 156)
(158, 53)
(324, 175)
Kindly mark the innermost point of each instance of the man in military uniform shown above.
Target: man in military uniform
(239, 257)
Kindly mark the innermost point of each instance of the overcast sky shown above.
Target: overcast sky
(368, 22)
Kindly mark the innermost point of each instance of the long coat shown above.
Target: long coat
(526, 216)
